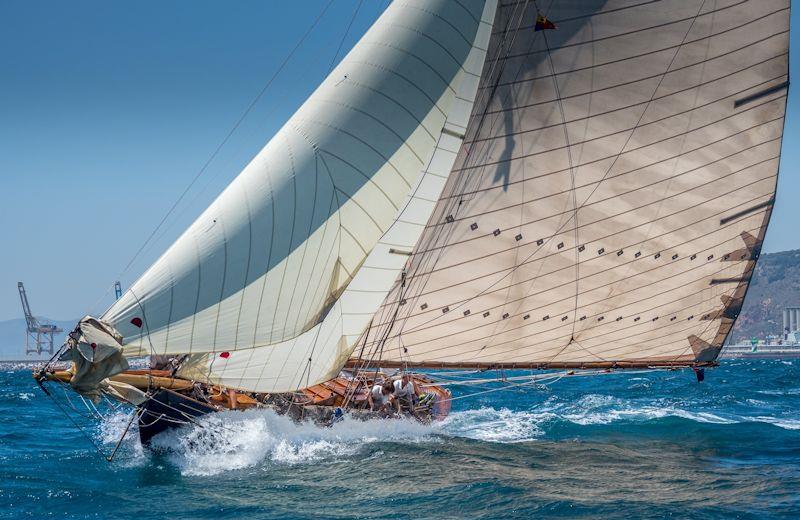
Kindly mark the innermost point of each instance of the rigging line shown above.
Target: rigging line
(615, 157)
(638, 122)
(643, 168)
(488, 94)
(344, 36)
(703, 302)
(669, 232)
(704, 126)
(403, 290)
(673, 22)
(555, 376)
(600, 13)
(731, 176)
(747, 273)
(510, 98)
(147, 331)
(475, 157)
(224, 141)
(663, 330)
(488, 290)
(78, 426)
(571, 174)
(348, 395)
(501, 389)
(701, 266)
(624, 247)
(681, 156)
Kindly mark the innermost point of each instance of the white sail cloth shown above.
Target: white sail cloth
(617, 188)
(95, 350)
(295, 256)
(320, 353)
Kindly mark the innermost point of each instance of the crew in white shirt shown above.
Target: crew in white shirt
(405, 394)
(380, 396)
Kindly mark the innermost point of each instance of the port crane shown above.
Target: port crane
(39, 336)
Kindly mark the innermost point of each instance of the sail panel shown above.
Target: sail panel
(268, 260)
(319, 354)
(613, 195)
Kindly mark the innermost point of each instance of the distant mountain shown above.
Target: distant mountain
(12, 339)
(775, 285)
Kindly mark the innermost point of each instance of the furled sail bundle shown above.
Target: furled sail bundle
(272, 285)
(612, 195)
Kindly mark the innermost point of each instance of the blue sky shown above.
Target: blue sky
(108, 110)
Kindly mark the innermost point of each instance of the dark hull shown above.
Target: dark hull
(166, 410)
(322, 404)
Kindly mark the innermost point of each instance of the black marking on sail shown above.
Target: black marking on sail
(750, 251)
(703, 350)
(746, 211)
(760, 94)
(719, 281)
(731, 307)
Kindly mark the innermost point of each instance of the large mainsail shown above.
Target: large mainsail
(282, 273)
(613, 193)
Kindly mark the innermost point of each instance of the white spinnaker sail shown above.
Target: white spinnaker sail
(320, 353)
(267, 263)
(616, 193)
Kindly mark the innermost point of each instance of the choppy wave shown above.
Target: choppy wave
(229, 441)
(496, 425)
(578, 451)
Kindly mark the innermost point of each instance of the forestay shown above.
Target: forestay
(615, 190)
(282, 273)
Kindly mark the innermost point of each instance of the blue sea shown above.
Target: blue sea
(640, 445)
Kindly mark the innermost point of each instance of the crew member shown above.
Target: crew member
(405, 394)
(380, 396)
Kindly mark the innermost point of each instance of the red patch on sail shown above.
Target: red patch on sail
(137, 321)
(224, 355)
(93, 345)
(543, 24)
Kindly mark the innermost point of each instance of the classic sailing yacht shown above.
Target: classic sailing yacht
(479, 184)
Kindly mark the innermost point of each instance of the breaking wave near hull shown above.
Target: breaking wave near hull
(651, 405)
(230, 441)
(730, 444)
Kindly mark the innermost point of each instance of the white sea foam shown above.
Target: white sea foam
(236, 440)
(489, 424)
(785, 423)
(787, 391)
